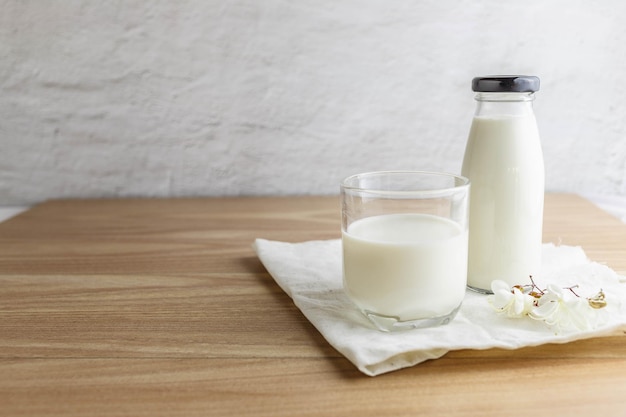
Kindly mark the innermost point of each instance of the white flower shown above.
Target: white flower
(562, 309)
(511, 301)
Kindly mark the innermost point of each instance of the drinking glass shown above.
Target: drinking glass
(405, 240)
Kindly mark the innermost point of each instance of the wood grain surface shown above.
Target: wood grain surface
(160, 307)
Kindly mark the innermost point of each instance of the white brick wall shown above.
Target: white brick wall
(207, 97)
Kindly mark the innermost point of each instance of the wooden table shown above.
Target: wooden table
(160, 307)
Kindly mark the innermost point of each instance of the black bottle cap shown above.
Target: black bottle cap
(506, 84)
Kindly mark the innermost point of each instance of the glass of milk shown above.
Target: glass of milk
(405, 240)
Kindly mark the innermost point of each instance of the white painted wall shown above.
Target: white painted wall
(208, 97)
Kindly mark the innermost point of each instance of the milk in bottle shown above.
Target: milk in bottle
(504, 162)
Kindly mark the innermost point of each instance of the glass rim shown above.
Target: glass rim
(464, 183)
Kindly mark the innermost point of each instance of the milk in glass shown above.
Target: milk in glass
(405, 265)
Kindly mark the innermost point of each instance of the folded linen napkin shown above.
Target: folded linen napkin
(311, 274)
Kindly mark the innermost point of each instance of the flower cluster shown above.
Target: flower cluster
(558, 307)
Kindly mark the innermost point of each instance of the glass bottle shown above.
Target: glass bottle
(504, 162)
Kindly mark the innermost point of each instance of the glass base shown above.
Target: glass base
(479, 290)
(393, 324)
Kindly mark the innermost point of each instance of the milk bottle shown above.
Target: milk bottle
(504, 162)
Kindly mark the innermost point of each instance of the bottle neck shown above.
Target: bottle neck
(505, 104)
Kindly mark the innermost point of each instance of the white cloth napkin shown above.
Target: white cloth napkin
(311, 274)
